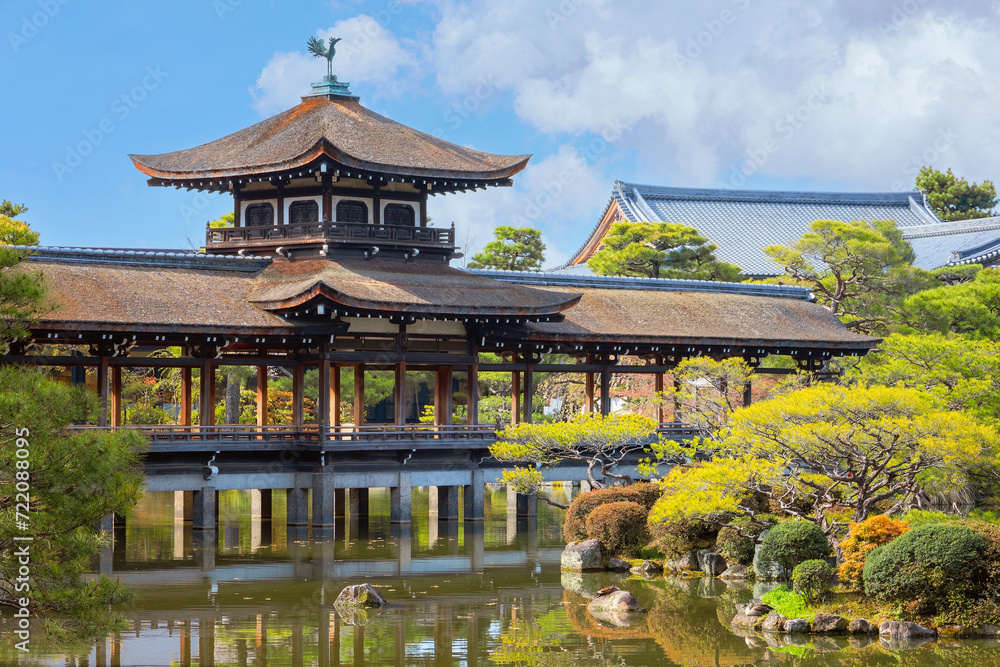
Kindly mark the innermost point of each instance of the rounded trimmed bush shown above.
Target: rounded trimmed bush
(794, 542)
(575, 523)
(934, 566)
(811, 579)
(619, 527)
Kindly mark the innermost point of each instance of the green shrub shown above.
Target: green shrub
(788, 603)
(575, 524)
(935, 566)
(794, 542)
(679, 537)
(991, 532)
(735, 547)
(620, 527)
(811, 579)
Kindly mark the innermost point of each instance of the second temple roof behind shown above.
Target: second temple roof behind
(340, 129)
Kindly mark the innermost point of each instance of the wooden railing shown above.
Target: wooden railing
(332, 232)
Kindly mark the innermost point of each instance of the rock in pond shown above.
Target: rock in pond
(797, 626)
(860, 626)
(613, 599)
(647, 567)
(582, 556)
(687, 562)
(773, 622)
(904, 630)
(736, 572)
(361, 595)
(618, 565)
(829, 623)
(712, 564)
(741, 620)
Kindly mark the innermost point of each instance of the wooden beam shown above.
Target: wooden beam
(359, 394)
(588, 397)
(280, 213)
(116, 396)
(262, 415)
(515, 397)
(473, 394)
(206, 409)
(606, 390)
(377, 205)
(529, 388)
(423, 210)
(237, 206)
(186, 395)
(748, 393)
(658, 388)
(327, 212)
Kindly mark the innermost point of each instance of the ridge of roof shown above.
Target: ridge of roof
(951, 228)
(901, 199)
(552, 279)
(182, 259)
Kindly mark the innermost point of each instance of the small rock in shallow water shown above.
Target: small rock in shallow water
(829, 623)
(860, 626)
(618, 565)
(773, 622)
(362, 595)
(581, 556)
(904, 630)
(615, 601)
(736, 572)
(797, 626)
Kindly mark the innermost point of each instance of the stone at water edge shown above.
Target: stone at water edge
(580, 556)
(797, 626)
(615, 601)
(904, 630)
(860, 626)
(741, 620)
(713, 564)
(736, 572)
(618, 565)
(773, 622)
(829, 623)
(361, 595)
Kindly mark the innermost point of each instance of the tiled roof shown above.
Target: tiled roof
(344, 131)
(959, 242)
(744, 222)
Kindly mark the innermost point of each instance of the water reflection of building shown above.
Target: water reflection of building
(331, 266)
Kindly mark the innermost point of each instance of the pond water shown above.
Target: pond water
(459, 594)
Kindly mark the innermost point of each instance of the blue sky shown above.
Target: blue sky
(798, 94)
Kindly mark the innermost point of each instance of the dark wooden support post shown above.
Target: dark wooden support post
(185, 412)
(515, 397)
(588, 400)
(298, 391)
(323, 400)
(658, 388)
(281, 204)
(606, 390)
(423, 208)
(116, 396)
(359, 394)
(102, 389)
(206, 409)
(748, 393)
(473, 393)
(377, 206)
(529, 390)
(262, 396)
(237, 205)
(399, 394)
(334, 395)
(327, 212)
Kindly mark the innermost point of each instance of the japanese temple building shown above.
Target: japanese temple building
(331, 263)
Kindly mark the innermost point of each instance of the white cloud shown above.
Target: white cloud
(368, 53)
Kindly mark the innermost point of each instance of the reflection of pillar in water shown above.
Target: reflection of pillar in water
(298, 550)
(335, 640)
(475, 544)
(101, 652)
(185, 641)
(400, 644)
(242, 655)
(472, 639)
(206, 642)
(322, 558)
(357, 514)
(297, 641)
(204, 554)
(107, 554)
(323, 636)
(359, 645)
(261, 639)
(527, 531)
(403, 535)
(442, 639)
(116, 650)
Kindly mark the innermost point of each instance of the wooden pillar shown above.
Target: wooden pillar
(588, 400)
(473, 394)
(529, 389)
(207, 407)
(185, 412)
(116, 396)
(399, 394)
(359, 394)
(606, 390)
(102, 390)
(658, 388)
(334, 395)
(324, 398)
(327, 212)
(262, 396)
(423, 209)
(377, 206)
(237, 206)
(748, 393)
(280, 213)
(298, 389)
(515, 397)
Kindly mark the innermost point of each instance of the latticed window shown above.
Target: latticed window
(303, 211)
(352, 211)
(399, 214)
(259, 215)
